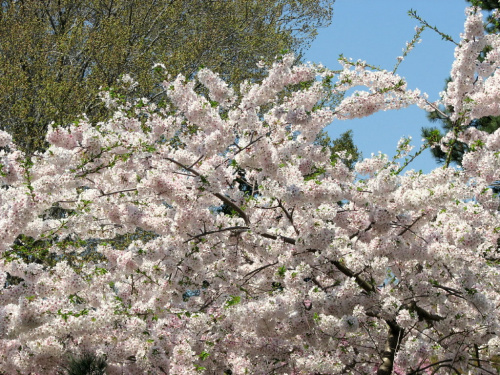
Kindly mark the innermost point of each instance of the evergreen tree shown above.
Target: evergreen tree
(87, 364)
(342, 148)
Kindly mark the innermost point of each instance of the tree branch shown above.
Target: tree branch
(391, 347)
(407, 228)
(206, 233)
(291, 241)
(223, 198)
(289, 215)
(423, 314)
(366, 286)
(257, 270)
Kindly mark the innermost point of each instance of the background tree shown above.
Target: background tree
(56, 55)
(342, 148)
(485, 4)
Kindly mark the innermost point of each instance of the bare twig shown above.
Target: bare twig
(223, 198)
(289, 215)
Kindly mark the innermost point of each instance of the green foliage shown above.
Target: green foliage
(86, 364)
(232, 301)
(458, 149)
(56, 55)
(204, 355)
(39, 251)
(485, 4)
(281, 271)
(342, 148)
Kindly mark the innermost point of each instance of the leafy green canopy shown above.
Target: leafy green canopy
(56, 55)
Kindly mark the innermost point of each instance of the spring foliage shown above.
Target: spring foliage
(56, 55)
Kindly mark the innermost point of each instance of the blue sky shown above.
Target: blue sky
(377, 31)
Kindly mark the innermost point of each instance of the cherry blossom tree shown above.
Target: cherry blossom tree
(310, 271)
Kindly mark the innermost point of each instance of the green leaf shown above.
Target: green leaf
(233, 300)
(203, 355)
(281, 271)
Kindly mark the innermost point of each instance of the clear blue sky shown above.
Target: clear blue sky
(376, 31)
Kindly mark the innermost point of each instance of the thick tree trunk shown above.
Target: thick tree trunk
(391, 347)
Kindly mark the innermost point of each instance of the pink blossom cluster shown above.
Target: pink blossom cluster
(263, 255)
(383, 91)
(474, 88)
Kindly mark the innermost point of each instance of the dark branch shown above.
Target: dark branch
(412, 224)
(231, 204)
(424, 314)
(291, 241)
(391, 347)
(257, 270)
(206, 233)
(366, 286)
(224, 199)
(289, 215)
